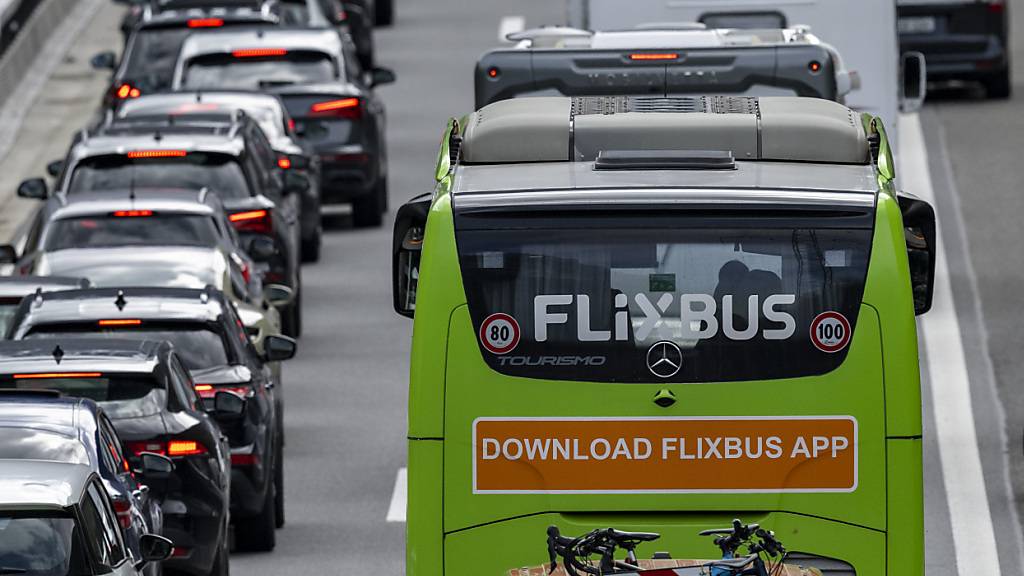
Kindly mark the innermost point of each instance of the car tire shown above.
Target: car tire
(998, 86)
(384, 13)
(257, 534)
(368, 211)
(279, 488)
(222, 563)
(311, 246)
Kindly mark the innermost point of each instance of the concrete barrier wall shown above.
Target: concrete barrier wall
(33, 36)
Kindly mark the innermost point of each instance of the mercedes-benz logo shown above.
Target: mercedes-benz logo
(664, 359)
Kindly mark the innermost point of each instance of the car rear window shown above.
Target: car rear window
(41, 543)
(113, 231)
(150, 64)
(220, 173)
(197, 345)
(35, 444)
(121, 395)
(662, 298)
(257, 73)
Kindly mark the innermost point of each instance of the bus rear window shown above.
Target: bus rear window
(648, 302)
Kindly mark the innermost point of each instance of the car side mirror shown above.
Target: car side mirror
(278, 295)
(914, 84)
(295, 183)
(919, 232)
(407, 246)
(381, 76)
(153, 548)
(261, 248)
(278, 348)
(54, 168)
(104, 60)
(228, 404)
(33, 189)
(8, 254)
(156, 466)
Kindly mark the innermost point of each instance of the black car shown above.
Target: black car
(76, 430)
(209, 338)
(960, 40)
(226, 153)
(151, 401)
(270, 114)
(315, 72)
(14, 288)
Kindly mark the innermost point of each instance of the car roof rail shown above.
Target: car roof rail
(558, 129)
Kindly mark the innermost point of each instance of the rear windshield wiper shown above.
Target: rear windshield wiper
(11, 570)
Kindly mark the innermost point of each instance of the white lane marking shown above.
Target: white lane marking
(510, 25)
(396, 512)
(974, 538)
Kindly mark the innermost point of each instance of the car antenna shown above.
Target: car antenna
(58, 353)
(120, 301)
(39, 297)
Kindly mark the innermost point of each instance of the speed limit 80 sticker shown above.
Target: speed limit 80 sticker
(499, 333)
(830, 332)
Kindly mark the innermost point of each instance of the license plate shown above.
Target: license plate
(917, 25)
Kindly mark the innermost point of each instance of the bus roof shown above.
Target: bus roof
(578, 129)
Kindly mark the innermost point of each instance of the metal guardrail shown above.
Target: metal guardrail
(30, 38)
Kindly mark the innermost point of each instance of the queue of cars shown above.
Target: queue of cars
(158, 287)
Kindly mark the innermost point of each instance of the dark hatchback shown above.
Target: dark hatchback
(337, 113)
(960, 40)
(77, 431)
(209, 338)
(150, 399)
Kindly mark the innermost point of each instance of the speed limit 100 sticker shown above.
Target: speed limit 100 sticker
(499, 333)
(830, 332)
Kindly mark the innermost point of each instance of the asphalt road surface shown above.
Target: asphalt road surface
(345, 393)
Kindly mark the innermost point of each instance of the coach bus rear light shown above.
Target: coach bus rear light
(493, 72)
(654, 56)
(814, 66)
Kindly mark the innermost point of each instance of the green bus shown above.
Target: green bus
(660, 314)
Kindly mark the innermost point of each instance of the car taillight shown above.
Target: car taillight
(342, 108)
(258, 221)
(126, 91)
(123, 509)
(171, 448)
(259, 52)
(207, 391)
(245, 456)
(206, 23)
(157, 154)
(284, 163)
(121, 322)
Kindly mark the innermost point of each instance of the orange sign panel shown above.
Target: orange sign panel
(652, 455)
